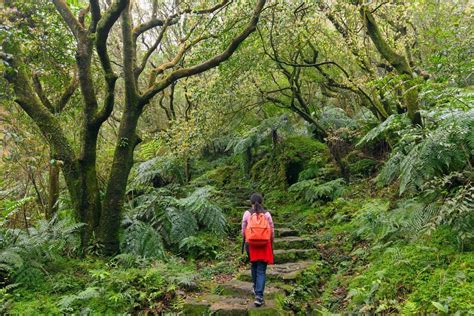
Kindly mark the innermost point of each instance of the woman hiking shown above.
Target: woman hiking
(258, 232)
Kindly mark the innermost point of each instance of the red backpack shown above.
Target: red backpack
(258, 231)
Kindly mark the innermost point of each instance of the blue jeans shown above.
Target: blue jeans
(259, 269)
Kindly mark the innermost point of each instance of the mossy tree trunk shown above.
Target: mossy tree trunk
(53, 186)
(397, 61)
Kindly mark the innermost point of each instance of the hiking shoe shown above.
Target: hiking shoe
(259, 301)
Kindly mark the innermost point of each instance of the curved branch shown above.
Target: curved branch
(174, 18)
(40, 92)
(44, 119)
(103, 30)
(68, 17)
(67, 94)
(104, 25)
(208, 64)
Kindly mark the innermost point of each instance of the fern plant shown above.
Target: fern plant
(257, 136)
(447, 200)
(260, 133)
(422, 155)
(163, 168)
(333, 118)
(389, 128)
(9, 208)
(208, 214)
(143, 240)
(158, 219)
(312, 191)
(24, 255)
(202, 246)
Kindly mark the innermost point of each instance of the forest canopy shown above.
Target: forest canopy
(134, 132)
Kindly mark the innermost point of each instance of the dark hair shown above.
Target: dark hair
(257, 200)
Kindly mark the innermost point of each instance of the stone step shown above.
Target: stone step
(292, 242)
(285, 232)
(292, 255)
(286, 272)
(239, 288)
(224, 306)
(281, 224)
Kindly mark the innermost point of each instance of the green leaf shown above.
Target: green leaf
(440, 307)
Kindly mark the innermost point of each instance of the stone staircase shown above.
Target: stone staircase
(293, 254)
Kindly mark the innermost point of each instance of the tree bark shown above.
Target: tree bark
(53, 187)
(397, 61)
(115, 192)
(126, 142)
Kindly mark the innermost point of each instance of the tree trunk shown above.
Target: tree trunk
(397, 61)
(53, 187)
(338, 158)
(115, 192)
(187, 170)
(89, 206)
(274, 139)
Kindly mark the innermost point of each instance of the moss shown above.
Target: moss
(298, 152)
(303, 147)
(279, 168)
(363, 167)
(27, 303)
(267, 173)
(219, 176)
(452, 286)
(398, 271)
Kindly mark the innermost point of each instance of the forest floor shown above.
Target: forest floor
(339, 256)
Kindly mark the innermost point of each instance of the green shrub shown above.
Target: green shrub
(24, 255)
(306, 288)
(399, 271)
(160, 219)
(312, 191)
(202, 246)
(363, 167)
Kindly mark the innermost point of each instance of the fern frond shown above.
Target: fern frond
(394, 122)
(67, 301)
(166, 167)
(182, 224)
(143, 240)
(333, 118)
(390, 170)
(207, 213)
(311, 191)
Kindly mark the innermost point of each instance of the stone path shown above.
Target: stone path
(293, 254)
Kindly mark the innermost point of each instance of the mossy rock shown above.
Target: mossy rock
(237, 288)
(298, 152)
(229, 306)
(219, 176)
(364, 167)
(292, 255)
(286, 232)
(195, 309)
(286, 272)
(292, 242)
(303, 148)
